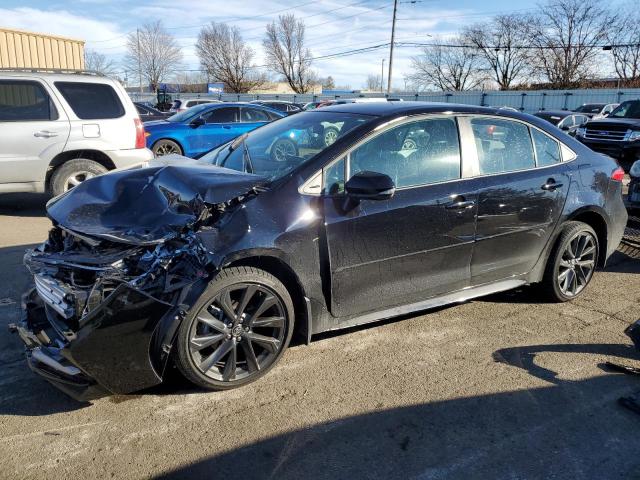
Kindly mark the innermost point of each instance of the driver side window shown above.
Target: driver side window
(412, 154)
(222, 115)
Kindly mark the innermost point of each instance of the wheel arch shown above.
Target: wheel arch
(597, 220)
(275, 264)
(593, 217)
(88, 154)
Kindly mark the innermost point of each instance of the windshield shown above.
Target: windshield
(189, 113)
(278, 147)
(630, 109)
(590, 108)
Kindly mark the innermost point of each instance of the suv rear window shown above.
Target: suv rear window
(91, 101)
(24, 101)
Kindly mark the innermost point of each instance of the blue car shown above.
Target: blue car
(203, 127)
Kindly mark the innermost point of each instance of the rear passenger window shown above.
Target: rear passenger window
(503, 146)
(91, 101)
(416, 153)
(547, 149)
(24, 101)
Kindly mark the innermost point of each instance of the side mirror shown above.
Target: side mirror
(197, 122)
(367, 185)
(606, 114)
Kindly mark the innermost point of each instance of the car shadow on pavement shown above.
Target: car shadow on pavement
(571, 429)
(24, 204)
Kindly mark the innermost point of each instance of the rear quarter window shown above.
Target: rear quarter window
(91, 101)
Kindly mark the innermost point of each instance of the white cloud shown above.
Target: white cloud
(104, 26)
(58, 22)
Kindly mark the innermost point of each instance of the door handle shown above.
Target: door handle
(460, 204)
(226, 127)
(45, 134)
(551, 185)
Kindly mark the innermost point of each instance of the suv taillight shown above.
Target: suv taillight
(618, 174)
(140, 137)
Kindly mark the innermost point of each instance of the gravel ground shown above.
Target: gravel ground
(501, 388)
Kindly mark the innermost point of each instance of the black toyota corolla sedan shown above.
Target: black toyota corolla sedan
(213, 265)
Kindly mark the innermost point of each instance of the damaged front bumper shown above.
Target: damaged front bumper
(119, 345)
(111, 353)
(44, 347)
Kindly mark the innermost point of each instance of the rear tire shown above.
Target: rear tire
(72, 173)
(572, 262)
(237, 330)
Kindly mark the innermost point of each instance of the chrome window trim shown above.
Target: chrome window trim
(564, 149)
(470, 167)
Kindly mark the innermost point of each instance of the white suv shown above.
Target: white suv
(57, 129)
(182, 105)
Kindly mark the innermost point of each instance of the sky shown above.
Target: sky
(332, 26)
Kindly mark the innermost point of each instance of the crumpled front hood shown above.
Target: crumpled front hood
(148, 205)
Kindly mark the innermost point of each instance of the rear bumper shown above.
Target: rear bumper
(130, 158)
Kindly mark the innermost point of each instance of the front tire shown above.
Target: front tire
(572, 262)
(166, 147)
(236, 331)
(72, 173)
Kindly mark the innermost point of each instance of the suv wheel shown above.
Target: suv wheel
(572, 262)
(166, 147)
(72, 173)
(237, 330)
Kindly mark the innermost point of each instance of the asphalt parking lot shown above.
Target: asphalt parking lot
(502, 387)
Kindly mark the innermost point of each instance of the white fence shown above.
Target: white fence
(526, 101)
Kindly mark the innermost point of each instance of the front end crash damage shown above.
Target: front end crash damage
(114, 279)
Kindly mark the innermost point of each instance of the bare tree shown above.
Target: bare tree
(286, 53)
(625, 38)
(447, 65)
(227, 58)
(99, 62)
(565, 35)
(498, 42)
(328, 83)
(374, 83)
(190, 82)
(155, 55)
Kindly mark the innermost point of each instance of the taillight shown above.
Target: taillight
(140, 137)
(618, 174)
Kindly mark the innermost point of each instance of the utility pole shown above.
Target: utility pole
(393, 34)
(139, 61)
(382, 77)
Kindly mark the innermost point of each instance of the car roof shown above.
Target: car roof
(566, 113)
(271, 101)
(412, 108)
(56, 76)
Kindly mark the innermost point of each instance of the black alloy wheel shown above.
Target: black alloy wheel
(572, 263)
(239, 329)
(577, 263)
